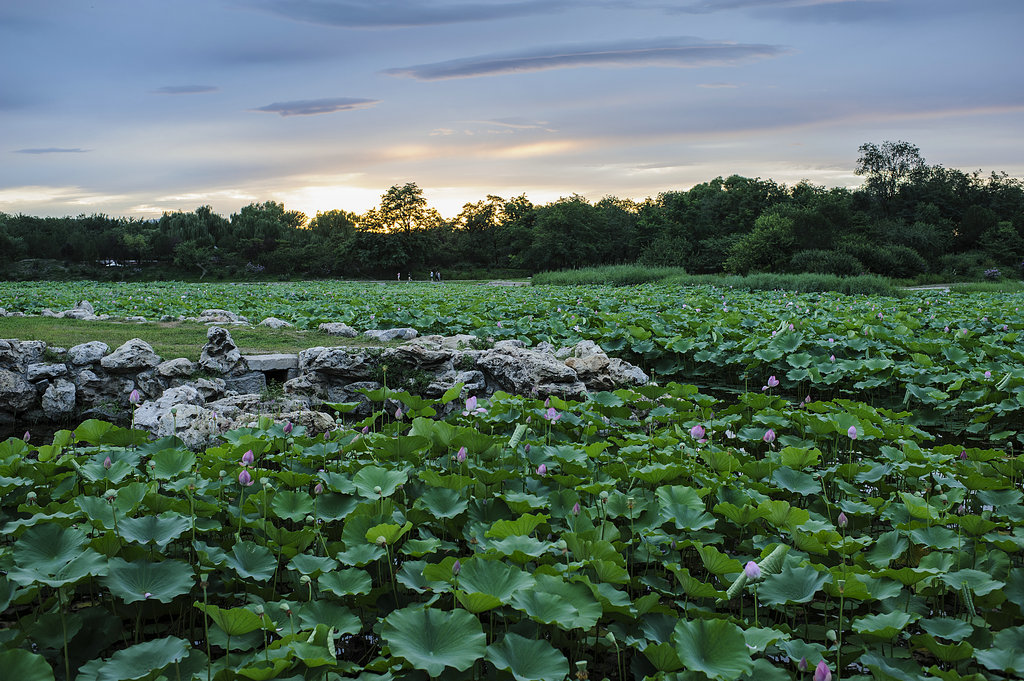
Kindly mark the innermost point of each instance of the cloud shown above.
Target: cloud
(399, 14)
(185, 89)
(667, 52)
(718, 86)
(51, 150)
(309, 107)
(707, 6)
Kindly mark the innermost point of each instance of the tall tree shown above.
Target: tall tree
(402, 209)
(888, 167)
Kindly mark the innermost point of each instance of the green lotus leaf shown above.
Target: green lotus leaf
(519, 548)
(947, 627)
(98, 510)
(374, 482)
(349, 582)
(442, 502)
(1007, 652)
(159, 529)
(55, 556)
(718, 563)
(252, 561)
(332, 614)
(663, 656)
(306, 564)
(528, 659)
(980, 583)
(23, 665)
(887, 547)
(882, 626)
(141, 660)
(143, 580)
(495, 578)
(523, 525)
(432, 639)
(171, 463)
(892, 669)
(477, 602)
(291, 505)
(792, 585)
(387, 533)
(236, 621)
(759, 638)
(417, 548)
(795, 481)
(780, 514)
(715, 647)
(361, 554)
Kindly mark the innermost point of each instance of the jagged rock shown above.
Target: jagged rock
(88, 353)
(275, 323)
(341, 362)
(177, 368)
(524, 371)
(233, 407)
(42, 371)
(601, 372)
(16, 393)
(47, 312)
(417, 356)
(337, 329)
(84, 310)
(18, 355)
(150, 383)
(220, 354)
(134, 355)
(308, 386)
(250, 382)
(149, 414)
(218, 316)
(509, 344)
(59, 399)
(474, 382)
(93, 388)
(210, 388)
(624, 373)
(273, 362)
(386, 335)
(462, 341)
(586, 348)
(136, 318)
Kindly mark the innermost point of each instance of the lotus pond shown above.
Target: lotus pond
(832, 487)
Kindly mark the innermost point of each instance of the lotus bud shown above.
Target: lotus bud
(772, 382)
(248, 458)
(852, 432)
(259, 609)
(319, 489)
(542, 470)
(963, 454)
(106, 463)
(461, 455)
(802, 664)
(398, 414)
(174, 411)
(822, 672)
(576, 508)
(245, 479)
(842, 520)
(134, 397)
(769, 436)
(752, 570)
(366, 430)
(288, 428)
(147, 595)
(961, 510)
(456, 568)
(27, 436)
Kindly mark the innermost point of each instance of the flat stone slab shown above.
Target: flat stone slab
(274, 362)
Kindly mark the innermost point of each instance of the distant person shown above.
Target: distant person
(408, 277)
(399, 276)
(439, 275)
(431, 275)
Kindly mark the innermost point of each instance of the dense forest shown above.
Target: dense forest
(908, 219)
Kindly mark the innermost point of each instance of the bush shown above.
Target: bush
(826, 262)
(616, 275)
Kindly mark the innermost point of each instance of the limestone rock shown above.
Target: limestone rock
(247, 383)
(386, 335)
(84, 310)
(524, 371)
(218, 316)
(149, 414)
(337, 329)
(176, 368)
(280, 361)
(16, 393)
(275, 323)
(88, 353)
(59, 399)
(134, 355)
(43, 371)
(220, 354)
(341, 362)
(16, 355)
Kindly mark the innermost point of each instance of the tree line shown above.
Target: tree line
(908, 219)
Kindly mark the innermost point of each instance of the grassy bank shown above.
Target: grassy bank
(623, 275)
(169, 340)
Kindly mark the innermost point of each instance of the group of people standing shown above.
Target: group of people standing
(434, 276)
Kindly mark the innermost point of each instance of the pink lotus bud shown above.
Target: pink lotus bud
(963, 454)
(288, 428)
(248, 458)
(772, 381)
(470, 404)
(769, 436)
(319, 489)
(576, 508)
(542, 470)
(547, 402)
(822, 672)
(133, 396)
(697, 432)
(106, 463)
(802, 664)
(244, 478)
(27, 436)
(366, 430)
(832, 358)
(398, 414)
(147, 594)
(461, 455)
(752, 570)
(988, 374)
(456, 568)
(842, 520)
(852, 432)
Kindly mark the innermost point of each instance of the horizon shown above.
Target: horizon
(133, 110)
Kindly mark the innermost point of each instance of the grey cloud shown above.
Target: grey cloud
(51, 150)
(398, 14)
(309, 107)
(185, 89)
(670, 52)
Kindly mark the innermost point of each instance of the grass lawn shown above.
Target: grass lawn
(171, 339)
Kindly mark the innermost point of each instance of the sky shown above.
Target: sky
(139, 107)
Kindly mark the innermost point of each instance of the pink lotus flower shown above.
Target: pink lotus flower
(832, 358)
(248, 458)
(244, 478)
(552, 415)
(769, 436)
(752, 570)
(288, 428)
(822, 672)
(697, 432)
(852, 432)
(471, 407)
(772, 381)
(988, 374)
